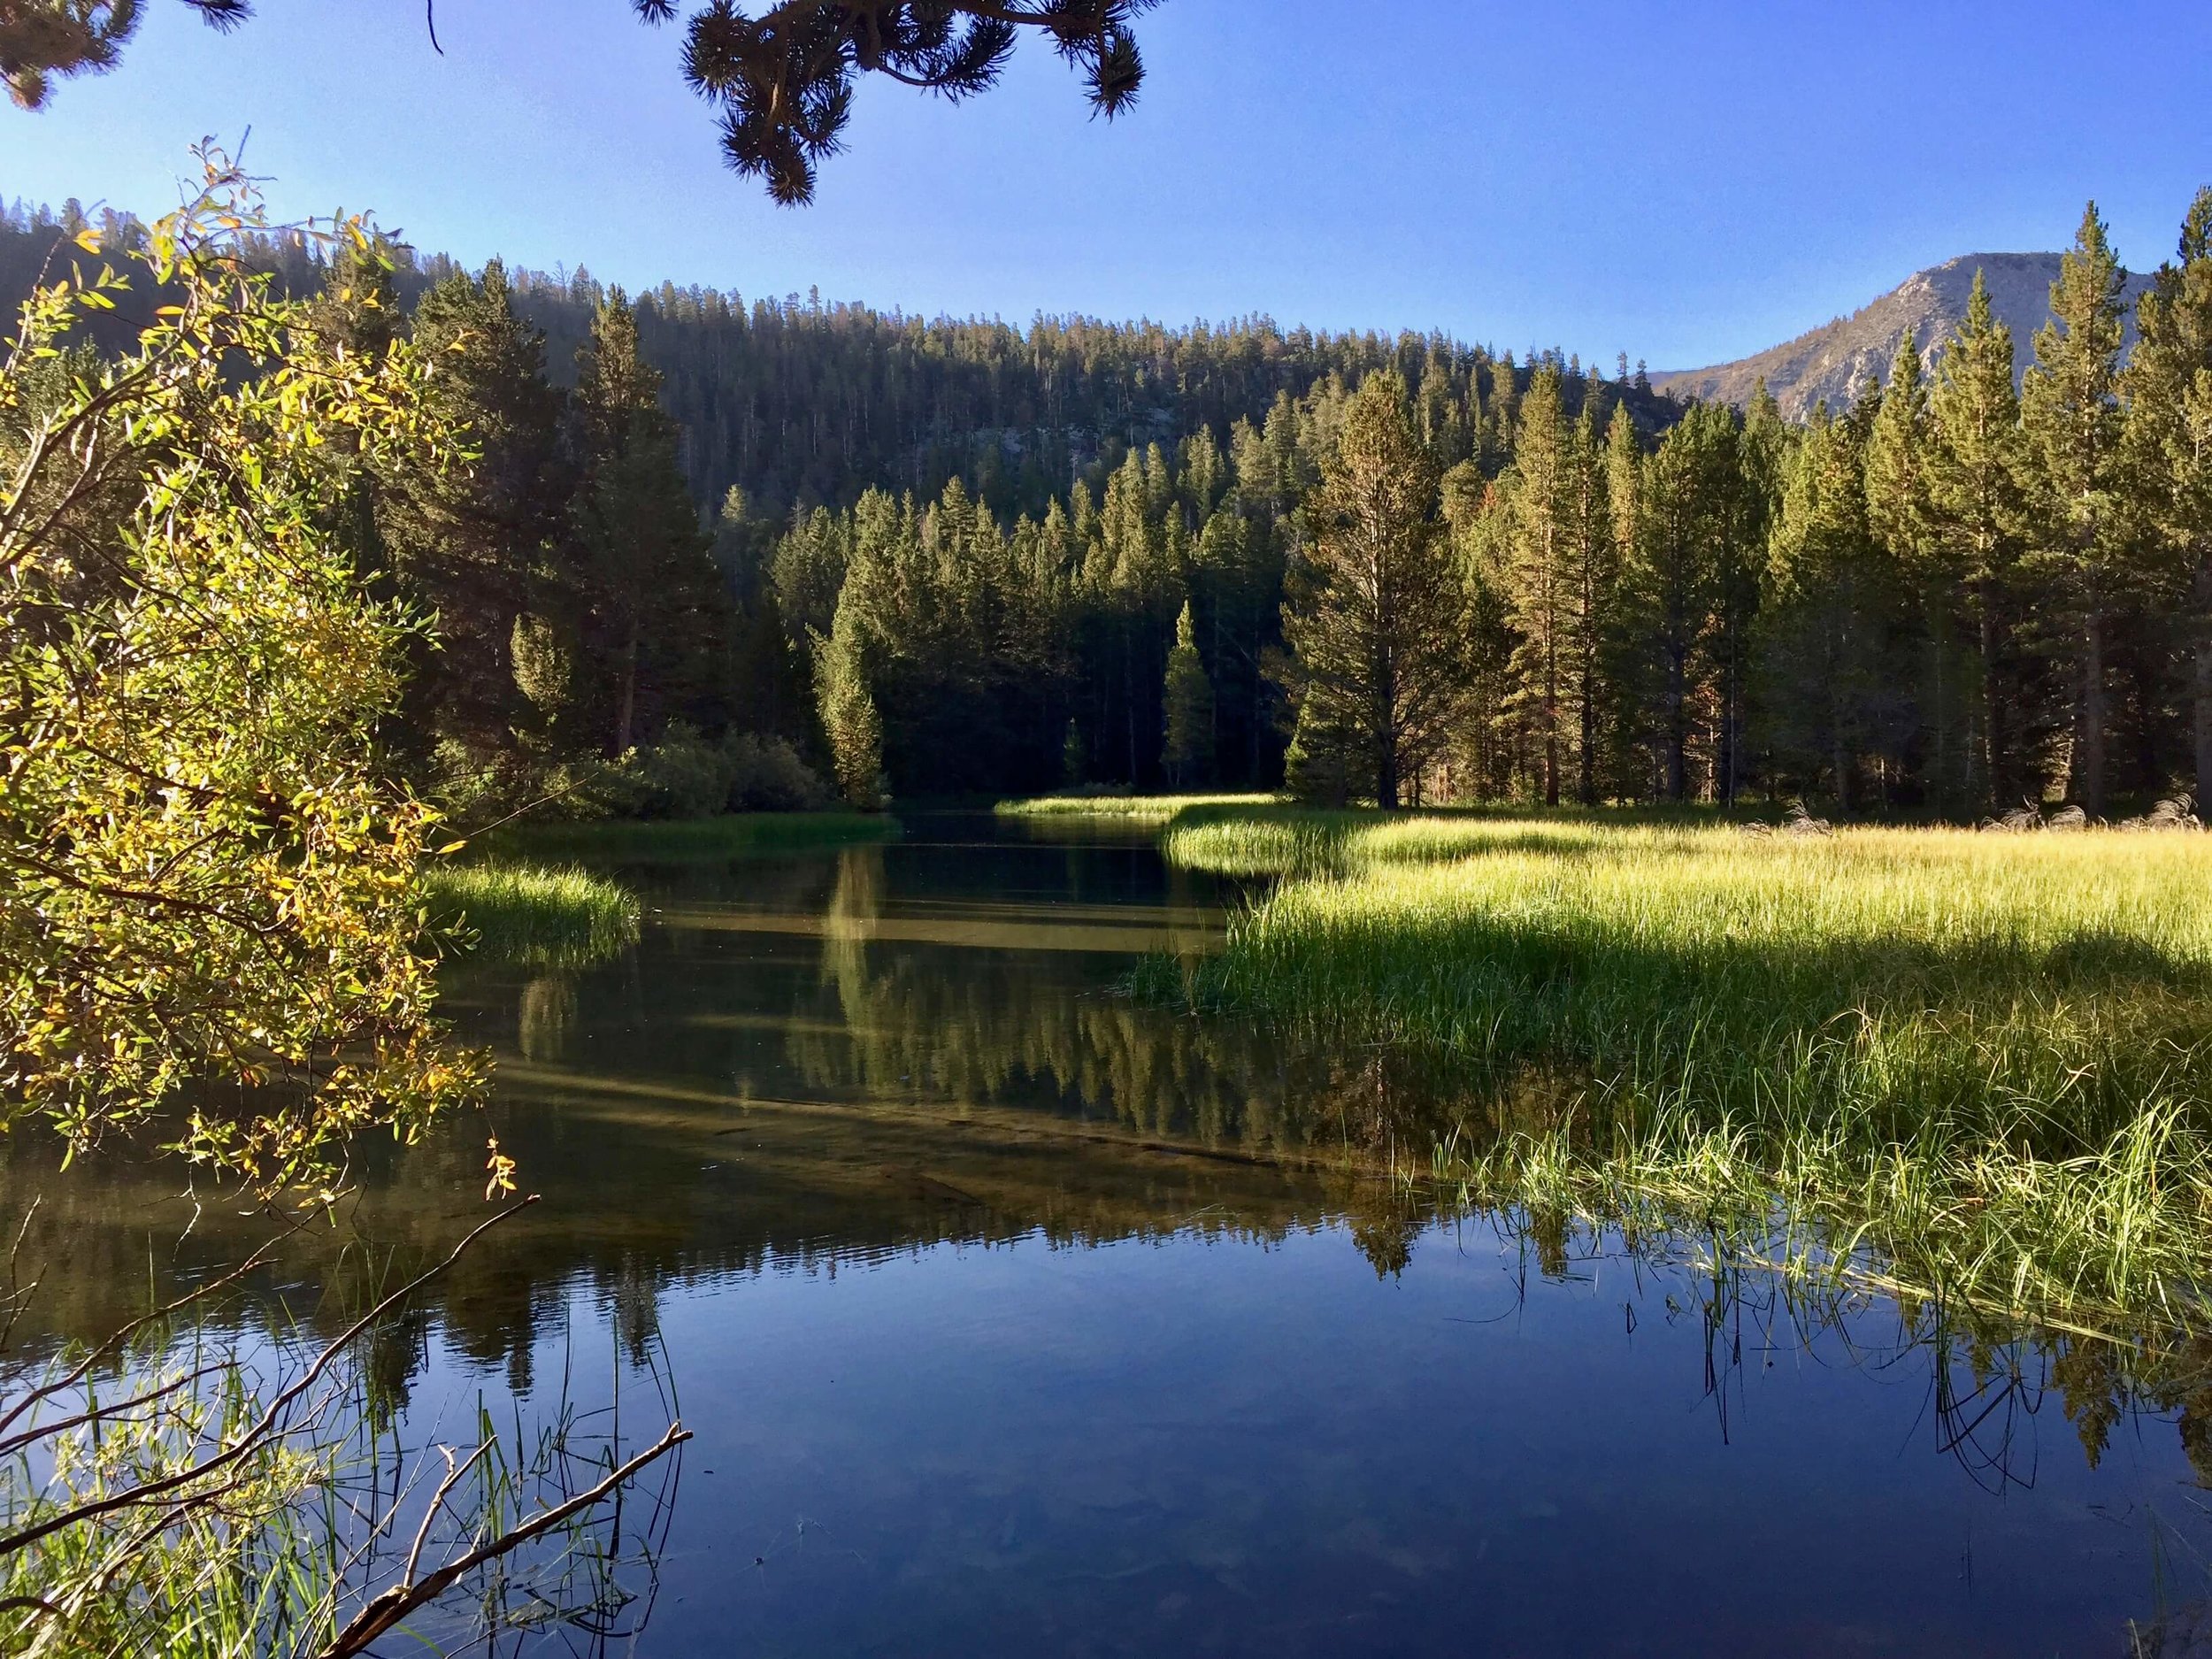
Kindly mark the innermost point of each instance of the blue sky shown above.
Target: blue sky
(1686, 181)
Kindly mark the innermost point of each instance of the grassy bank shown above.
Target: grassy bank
(529, 915)
(677, 839)
(1988, 1055)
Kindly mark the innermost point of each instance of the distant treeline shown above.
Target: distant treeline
(802, 404)
(939, 556)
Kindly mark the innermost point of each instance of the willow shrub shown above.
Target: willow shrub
(208, 889)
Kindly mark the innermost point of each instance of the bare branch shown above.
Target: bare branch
(400, 1600)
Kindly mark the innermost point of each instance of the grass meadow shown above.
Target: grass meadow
(1981, 1065)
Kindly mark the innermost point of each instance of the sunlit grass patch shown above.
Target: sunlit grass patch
(1245, 839)
(529, 915)
(1993, 1051)
(1137, 810)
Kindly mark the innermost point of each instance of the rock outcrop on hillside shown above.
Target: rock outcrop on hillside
(1831, 363)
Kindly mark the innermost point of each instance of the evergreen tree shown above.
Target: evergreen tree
(1826, 657)
(2168, 441)
(1071, 764)
(2070, 412)
(1978, 516)
(1541, 583)
(1188, 699)
(1896, 480)
(1686, 517)
(466, 546)
(1375, 625)
(1738, 519)
(1900, 517)
(1595, 565)
(1237, 580)
(650, 601)
(765, 673)
(1317, 766)
(850, 724)
(544, 658)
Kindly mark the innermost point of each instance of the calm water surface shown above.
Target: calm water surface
(1014, 1319)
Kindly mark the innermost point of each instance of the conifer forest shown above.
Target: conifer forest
(1984, 582)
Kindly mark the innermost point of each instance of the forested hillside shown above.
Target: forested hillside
(802, 402)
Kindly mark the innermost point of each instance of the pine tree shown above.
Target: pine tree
(2169, 445)
(766, 676)
(466, 544)
(1071, 762)
(1237, 579)
(1901, 519)
(846, 708)
(1376, 625)
(781, 83)
(1188, 699)
(1825, 646)
(1737, 517)
(1896, 482)
(1978, 509)
(545, 673)
(2070, 412)
(1540, 584)
(651, 601)
(1595, 565)
(1687, 519)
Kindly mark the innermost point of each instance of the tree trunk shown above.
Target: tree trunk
(1939, 637)
(1129, 699)
(625, 714)
(1385, 715)
(1551, 738)
(2090, 749)
(1677, 736)
(1996, 764)
(2201, 712)
(1589, 733)
(1729, 734)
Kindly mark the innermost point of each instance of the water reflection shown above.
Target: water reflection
(1016, 1314)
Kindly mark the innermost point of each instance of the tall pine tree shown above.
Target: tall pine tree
(2070, 411)
(1976, 522)
(651, 605)
(1186, 756)
(1375, 624)
(2168, 442)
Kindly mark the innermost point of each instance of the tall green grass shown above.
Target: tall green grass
(1990, 1055)
(528, 915)
(1232, 839)
(729, 835)
(1139, 810)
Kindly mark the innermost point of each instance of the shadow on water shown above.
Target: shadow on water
(1019, 1316)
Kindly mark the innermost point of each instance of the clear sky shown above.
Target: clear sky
(1686, 181)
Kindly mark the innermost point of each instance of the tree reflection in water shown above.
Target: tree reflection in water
(813, 1062)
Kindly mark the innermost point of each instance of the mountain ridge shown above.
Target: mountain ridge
(1829, 364)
